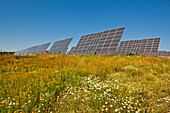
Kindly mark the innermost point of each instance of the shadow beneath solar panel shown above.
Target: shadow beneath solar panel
(131, 54)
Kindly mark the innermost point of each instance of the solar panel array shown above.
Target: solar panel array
(158, 53)
(33, 49)
(42, 48)
(161, 53)
(26, 51)
(21, 52)
(17, 53)
(103, 42)
(71, 50)
(60, 46)
(139, 46)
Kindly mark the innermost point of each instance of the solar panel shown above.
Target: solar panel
(139, 46)
(16, 53)
(158, 53)
(32, 50)
(71, 51)
(42, 48)
(163, 53)
(102, 42)
(26, 51)
(60, 46)
(21, 52)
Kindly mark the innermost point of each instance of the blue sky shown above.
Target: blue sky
(25, 23)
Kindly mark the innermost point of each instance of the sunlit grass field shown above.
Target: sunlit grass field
(84, 83)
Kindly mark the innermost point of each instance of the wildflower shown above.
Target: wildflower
(42, 94)
(103, 106)
(106, 109)
(108, 90)
(29, 101)
(102, 109)
(105, 102)
(10, 103)
(111, 105)
(4, 101)
(116, 110)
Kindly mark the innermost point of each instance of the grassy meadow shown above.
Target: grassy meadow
(84, 83)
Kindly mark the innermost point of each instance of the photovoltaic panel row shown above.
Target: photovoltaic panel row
(165, 53)
(158, 53)
(43, 47)
(139, 46)
(26, 51)
(102, 42)
(33, 49)
(161, 53)
(17, 53)
(22, 52)
(71, 50)
(60, 46)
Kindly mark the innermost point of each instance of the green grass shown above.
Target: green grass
(84, 83)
